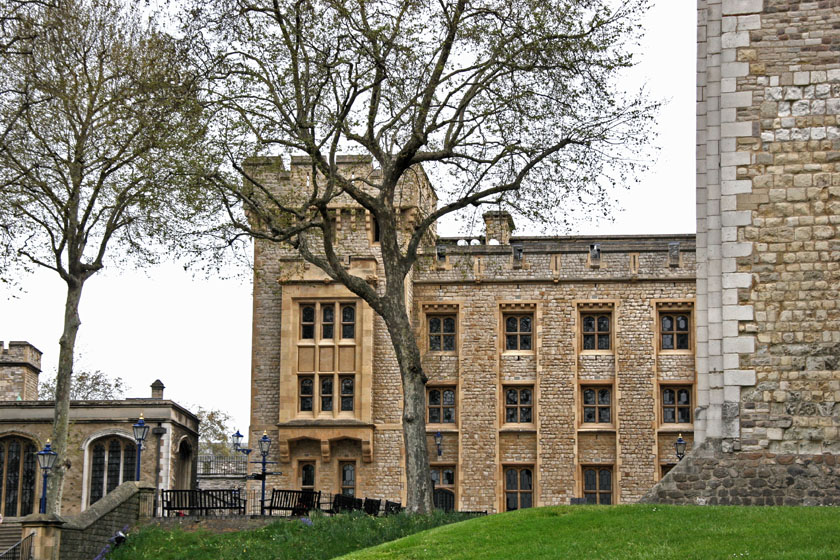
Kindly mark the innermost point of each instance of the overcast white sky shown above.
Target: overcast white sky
(194, 334)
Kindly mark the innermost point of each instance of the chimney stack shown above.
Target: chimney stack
(157, 389)
(498, 225)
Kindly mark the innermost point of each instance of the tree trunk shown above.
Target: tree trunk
(63, 378)
(419, 497)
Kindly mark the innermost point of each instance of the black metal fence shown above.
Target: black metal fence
(222, 465)
(21, 551)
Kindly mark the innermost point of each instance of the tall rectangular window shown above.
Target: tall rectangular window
(675, 331)
(327, 358)
(307, 475)
(519, 487)
(597, 485)
(440, 404)
(519, 404)
(519, 331)
(347, 473)
(442, 333)
(597, 404)
(595, 331)
(676, 404)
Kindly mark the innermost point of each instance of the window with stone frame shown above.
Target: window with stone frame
(596, 401)
(18, 472)
(596, 331)
(598, 484)
(442, 333)
(675, 330)
(519, 331)
(519, 404)
(443, 476)
(113, 460)
(327, 358)
(519, 487)
(307, 475)
(441, 405)
(676, 404)
(347, 477)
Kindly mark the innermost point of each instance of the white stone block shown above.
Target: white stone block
(735, 129)
(739, 99)
(801, 78)
(739, 344)
(774, 81)
(832, 133)
(728, 85)
(773, 93)
(737, 280)
(746, 23)
(731, 361)
(736, 187)
(833, 75)
(792, 93)
(832, 106)
(732, 393)
(735, 7)
(735, 158)
(818, 107)
(800, 108)
(737, 249)
(822, 91)
(738, 312)
(768, 136)
(729, 329)
(742, 377)
(734, 40)
(741, 218)
(734, 69)
(818, 133)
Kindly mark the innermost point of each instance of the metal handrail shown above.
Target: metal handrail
(22, 550)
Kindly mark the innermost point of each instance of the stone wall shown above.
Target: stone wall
(711, 476)
(86, 535)
(768, 196)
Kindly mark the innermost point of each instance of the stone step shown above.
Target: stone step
(9, 535)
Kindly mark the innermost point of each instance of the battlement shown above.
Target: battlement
(20, 353)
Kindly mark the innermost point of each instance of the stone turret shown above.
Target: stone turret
(20, 364)
(498, 225)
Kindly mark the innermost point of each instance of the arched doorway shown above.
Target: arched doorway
(183, 470)
(18, 472)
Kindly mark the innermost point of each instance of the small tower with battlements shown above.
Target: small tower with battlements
(20, 364)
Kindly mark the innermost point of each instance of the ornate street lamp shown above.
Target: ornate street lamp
(265, 446)
(679, 447)
(141, 430)
(46, 460)
(438, 442)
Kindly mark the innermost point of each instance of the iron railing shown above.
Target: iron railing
(222, 465)
(21, 551)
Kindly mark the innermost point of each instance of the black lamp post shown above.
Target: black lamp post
(46, 460)
(438, 442)
(679, 447)
(141, 430)
(265, 446)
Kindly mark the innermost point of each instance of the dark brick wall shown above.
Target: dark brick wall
(710, 476)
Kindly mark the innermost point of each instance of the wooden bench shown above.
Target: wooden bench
(392, 508)
(371, 506)
(201, 502)
(342, 503)
(296, 502)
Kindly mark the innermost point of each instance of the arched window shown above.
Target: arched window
(18, 471)
(113, 461)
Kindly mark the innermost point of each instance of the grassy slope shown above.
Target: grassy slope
(633, 531)
(327, 537)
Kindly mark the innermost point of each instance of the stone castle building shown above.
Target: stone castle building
(768, 252)
(102, 451)
(559, 367)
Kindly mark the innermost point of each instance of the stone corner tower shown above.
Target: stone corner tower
(20, 364)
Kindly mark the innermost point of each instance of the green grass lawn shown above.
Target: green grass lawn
(327, 537)
(632, 531)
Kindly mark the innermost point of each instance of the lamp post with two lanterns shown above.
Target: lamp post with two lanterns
(265, 446)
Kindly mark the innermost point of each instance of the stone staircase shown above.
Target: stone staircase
(9, 535)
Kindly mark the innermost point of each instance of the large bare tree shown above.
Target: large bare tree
(513, 104)
(101, 119)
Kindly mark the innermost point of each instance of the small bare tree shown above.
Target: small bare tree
(102, 117)
(506, 103)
